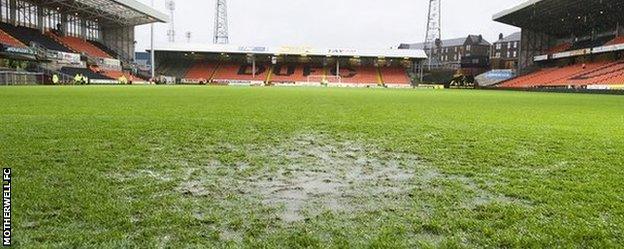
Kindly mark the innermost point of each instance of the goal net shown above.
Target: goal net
(324, 79)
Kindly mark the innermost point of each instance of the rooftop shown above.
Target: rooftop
(563, 18)
(112, 12)
(510, 38)
(292, 50)
(450, 42)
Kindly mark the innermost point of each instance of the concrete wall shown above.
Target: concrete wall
(532, 44)
(120, 39)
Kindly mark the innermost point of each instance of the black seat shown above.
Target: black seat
(84, 71)
(591, 43)
(104, 48)
(27, 35)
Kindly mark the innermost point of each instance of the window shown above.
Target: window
(93, 30)
(26, 14)
(4, 6)
(75, 25)
(498, 46)
(51, 19)
(467, 47)
(498, 55)
(515, 54)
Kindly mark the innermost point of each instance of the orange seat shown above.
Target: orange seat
(200, 71)
(79, 45)
(234, 72)
(395, 75)
(115, 75)
(615, 41)
(294, 73)
(559, 48)
(10, 40)
(594, 73)
(356, 74)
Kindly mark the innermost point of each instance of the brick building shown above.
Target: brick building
(450, 52)
(505, 52)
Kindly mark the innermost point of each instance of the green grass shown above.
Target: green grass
(185, 167)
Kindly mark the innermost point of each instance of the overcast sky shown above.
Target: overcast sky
(328, 23)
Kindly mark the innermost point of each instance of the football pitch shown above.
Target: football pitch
(229, 167)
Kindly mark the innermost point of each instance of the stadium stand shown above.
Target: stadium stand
(394, 75)
(559, 48)
(595, 73)
(110, 73)
(615, 41)
(43, 37)
(79, 45)
(526, 80)
(237, 72)
(95, 73)
(604, 72)
(590, 62)
(115, 74)
(201, 71)
(10, 40)
(576, 74)
(104, 48)
(86, 72)
(28, 35)
(177, 68)
(187, 71)
(357, 74)
(591, 43)
(312, 67)
(290, 73)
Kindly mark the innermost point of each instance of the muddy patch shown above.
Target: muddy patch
(317, 174)
(193, 188)
(310, 174)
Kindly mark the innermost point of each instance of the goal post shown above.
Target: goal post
(324, 79)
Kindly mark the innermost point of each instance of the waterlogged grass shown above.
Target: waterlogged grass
(312, 168)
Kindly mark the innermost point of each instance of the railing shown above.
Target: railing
(21, 78)
(90, 59)
(120, 54)
(41, 51)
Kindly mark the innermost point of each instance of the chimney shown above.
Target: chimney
(500, 36)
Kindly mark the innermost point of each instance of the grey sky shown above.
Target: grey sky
(329, 23)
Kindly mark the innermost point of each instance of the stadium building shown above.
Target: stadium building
(450, 53)
(93, 38)
(455, 62)
(503, 60)
(505, 52)
(285, 66)
(568, 44)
